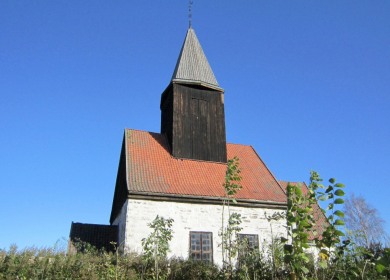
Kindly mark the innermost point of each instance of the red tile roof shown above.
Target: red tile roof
(151, 169)
(319, 216)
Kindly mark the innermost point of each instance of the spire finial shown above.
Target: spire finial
(190, 2)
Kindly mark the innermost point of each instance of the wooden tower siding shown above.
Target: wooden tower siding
(193, 119)
(166, 107)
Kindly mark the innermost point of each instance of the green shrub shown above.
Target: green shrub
(51, 263)
(192, 270)
(33, 263)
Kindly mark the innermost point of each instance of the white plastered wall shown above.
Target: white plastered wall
(136, 214)
(120, 221)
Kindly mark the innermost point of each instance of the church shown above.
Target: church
(179, 173)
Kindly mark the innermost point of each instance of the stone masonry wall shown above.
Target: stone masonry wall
(136, 214)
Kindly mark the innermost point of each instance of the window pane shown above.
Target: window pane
(206, 257)
(250, 241)
(201, 246)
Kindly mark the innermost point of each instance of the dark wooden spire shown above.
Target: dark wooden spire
(192, 107)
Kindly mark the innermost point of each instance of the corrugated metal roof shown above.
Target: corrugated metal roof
(151, 169)
(192, 66)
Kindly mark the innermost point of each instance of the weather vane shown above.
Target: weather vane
(190, 2)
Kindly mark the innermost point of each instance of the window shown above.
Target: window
(249, 242)
(248, 247)
(201, 246)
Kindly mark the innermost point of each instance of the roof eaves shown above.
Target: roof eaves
(203, 199)
(198, 83)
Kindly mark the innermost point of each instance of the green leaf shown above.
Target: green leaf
(304, 269)
(291, 219)
(305, 224)
(298, 191)
(339, 222)
(329, 189)
(339, 201)
(339, 213)
(339, 185)
(332, 180)
(323, 264)
(339, 192)
(380, 268)
(346, 242)
(323, 197)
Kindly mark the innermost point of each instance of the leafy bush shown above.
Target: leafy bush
(51, 263)
(33, 263)
(192, 270)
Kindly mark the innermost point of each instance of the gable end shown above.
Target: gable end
(121, 191)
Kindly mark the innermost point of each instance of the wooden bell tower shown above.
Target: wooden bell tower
(192, 107)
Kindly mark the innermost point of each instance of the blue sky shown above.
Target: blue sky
(307, 84)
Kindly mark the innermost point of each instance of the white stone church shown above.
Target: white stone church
(179, 173)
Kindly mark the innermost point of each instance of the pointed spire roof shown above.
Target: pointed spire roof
(192, 66)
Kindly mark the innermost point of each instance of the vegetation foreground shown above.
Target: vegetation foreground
(92, 264)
